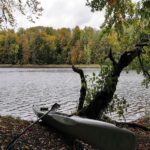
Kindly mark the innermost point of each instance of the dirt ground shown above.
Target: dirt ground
(40, 137)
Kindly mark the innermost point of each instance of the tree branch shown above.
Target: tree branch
(102, 98)
(131, 124)
(83, 86)
(128, 56)
(110, 55)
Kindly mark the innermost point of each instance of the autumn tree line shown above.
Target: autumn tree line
(46, 45)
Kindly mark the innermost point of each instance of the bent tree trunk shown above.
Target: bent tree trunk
(102, 99)
(83, 87)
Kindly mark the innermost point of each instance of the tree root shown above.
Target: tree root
(132, 125)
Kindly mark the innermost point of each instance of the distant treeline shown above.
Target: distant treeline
(45, 45)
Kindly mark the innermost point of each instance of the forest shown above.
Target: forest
(46, 45)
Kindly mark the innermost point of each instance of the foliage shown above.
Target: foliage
(45, 45)
(29, 8)
(118, 105)
(97, 84)
(125, 30)
(116, 11)
(120, 14)
(9, 47)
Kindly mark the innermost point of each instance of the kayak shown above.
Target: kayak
(101, 135)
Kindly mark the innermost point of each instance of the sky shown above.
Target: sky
(64, 13)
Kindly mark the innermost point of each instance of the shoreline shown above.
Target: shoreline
(40, 136)
(49, 66)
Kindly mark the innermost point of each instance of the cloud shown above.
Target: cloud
(65, 13)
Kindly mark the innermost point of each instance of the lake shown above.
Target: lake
(20, 88)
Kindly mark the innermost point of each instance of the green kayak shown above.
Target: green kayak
(101, 135)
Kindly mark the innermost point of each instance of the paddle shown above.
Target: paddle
(11, 144)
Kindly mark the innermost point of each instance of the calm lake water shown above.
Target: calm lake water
(21, 88)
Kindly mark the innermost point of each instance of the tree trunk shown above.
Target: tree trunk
(102, 99)
(83, 87)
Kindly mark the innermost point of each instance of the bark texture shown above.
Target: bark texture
(83, 86)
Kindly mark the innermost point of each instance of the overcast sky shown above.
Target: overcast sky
(64, 13)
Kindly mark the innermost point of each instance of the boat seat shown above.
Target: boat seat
(44, 108)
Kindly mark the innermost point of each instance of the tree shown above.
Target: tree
(9, 47)
(118, 13)
(42, 48)
(62, 45)
(75, 45)
(29, 8)
(23, 52)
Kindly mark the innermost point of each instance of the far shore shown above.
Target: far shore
(49, 66)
